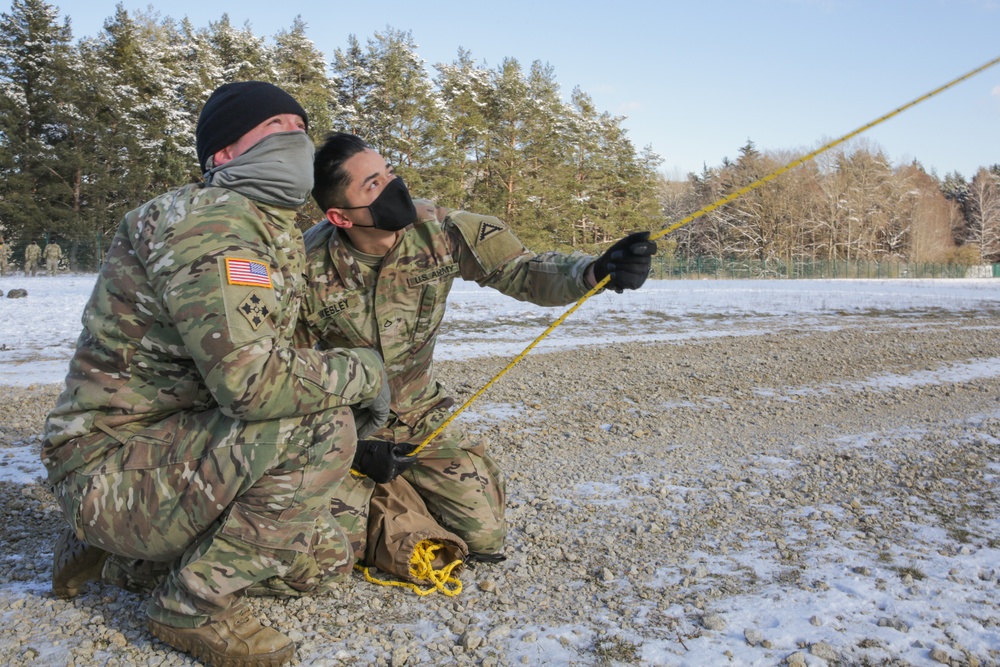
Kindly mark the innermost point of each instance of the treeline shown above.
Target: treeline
(848, 205)
(91, 128)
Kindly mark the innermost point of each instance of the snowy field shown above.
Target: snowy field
(37, 336)
(38, 333)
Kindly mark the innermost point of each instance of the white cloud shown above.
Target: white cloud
(630, 106)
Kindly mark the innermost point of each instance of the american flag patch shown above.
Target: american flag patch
(247, 272)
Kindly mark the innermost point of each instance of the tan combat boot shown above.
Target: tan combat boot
(74, 563)
(237, 641)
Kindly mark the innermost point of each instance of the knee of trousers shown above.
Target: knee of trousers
(154, 496)
(315, 460)
(485, 539)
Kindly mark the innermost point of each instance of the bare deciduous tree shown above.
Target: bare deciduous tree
(984, 214)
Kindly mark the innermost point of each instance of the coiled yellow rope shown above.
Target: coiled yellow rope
(421, 564)
(422, 567)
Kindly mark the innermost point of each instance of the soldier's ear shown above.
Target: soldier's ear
(222, 156)
(336, 217)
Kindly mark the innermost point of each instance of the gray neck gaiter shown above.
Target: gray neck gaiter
(277, 170)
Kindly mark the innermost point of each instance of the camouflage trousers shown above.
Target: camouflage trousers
(30, 267)
(228, 503)
(51, 267)
(461, 484)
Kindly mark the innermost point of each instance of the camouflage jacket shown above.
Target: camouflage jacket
(33, 253)
(194, 309)
(52, 251)
(401, 314)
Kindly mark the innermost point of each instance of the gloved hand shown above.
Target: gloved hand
(371, 415)
(382, 461)
(627, 261)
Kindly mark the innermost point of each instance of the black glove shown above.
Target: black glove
(627, 261)
(382, 461)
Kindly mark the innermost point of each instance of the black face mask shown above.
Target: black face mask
(393, 209)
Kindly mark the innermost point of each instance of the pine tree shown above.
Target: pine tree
(546, 166)
(401, 108)
(352, 83)
(614, 190)
(242, 55)
(301, 70)
(147, 60)
(38, 171)
(507, 112)
(201, 72)
(136, 121)
(464, 89)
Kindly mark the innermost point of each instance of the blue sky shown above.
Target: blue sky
(697, 79)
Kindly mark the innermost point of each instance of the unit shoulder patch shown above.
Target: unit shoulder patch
(255, 310)
(489, 239)
(488, 228)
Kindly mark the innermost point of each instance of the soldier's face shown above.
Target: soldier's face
(369, 173)
(286, 122)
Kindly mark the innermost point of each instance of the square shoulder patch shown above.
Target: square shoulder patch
(490, 240)
(248, 272)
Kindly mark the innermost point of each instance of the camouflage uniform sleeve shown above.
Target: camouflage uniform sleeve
(428, 210)
(489, 253)
(230, 329)
(304, 336)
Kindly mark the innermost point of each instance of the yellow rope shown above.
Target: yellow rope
(694, 216)
(422, 567)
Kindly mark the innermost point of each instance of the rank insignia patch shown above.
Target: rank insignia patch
(254, 309)
(247, 272)
(488, 229)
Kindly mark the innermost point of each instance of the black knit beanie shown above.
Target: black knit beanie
(236, 108)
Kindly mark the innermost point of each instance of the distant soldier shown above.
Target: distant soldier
(32, 256)
(380, 269)
(4, 257)
(53, 253)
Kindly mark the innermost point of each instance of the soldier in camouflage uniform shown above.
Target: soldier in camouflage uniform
(191, 432)
(4, 258)
(32, 255)
(52, 254)
(380, 270)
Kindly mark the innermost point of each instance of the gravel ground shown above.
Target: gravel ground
(653, 490)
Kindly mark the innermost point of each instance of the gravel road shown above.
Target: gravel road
(655, 491)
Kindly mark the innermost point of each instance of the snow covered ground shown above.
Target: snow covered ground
(37, 335)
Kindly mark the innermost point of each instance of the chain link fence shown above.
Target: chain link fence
(712, 267)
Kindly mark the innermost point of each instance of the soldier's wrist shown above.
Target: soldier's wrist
(374, 369)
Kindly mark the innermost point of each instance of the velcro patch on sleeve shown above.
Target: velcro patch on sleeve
(248, 272)
(487, 229)
(255, 309)
(490, 240)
